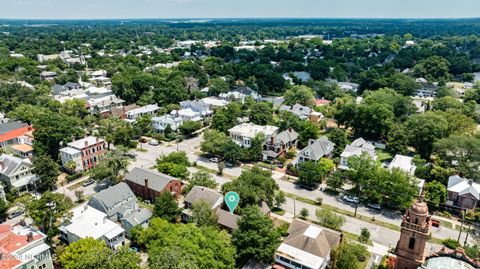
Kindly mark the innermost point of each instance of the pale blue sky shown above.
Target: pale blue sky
(97, 9)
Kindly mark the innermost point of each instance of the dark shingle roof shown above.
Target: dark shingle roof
(156, 181)
(203, 193)
(11, 125)
(320, 246)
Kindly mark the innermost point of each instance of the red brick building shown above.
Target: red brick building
(149, 184)
(85, 152)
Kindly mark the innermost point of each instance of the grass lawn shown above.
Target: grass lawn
(383, 156)
(354, 237)
(278, 211)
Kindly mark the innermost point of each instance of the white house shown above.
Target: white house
(160, 123)
(87, 221)
(187, 114)
(133, 114)
(244, 133)
(307, 246)
(357, 148)
(404, 163)
(16, 172)
(23, 247)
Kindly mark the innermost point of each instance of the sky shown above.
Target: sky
(112, 9)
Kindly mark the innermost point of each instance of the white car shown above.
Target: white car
(153, 142)
(214, 160)
(351, 199)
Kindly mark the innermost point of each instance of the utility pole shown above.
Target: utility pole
(461, 226)
(466, 236)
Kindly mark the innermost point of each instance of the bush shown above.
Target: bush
(71, 178)
(451, 243)
(290, 154)
(304, 213)
(329, 219)
(319, 200)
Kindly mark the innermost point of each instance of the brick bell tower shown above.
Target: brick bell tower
(414, 234)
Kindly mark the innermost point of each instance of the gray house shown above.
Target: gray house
(114, 201)
(301, 111)
(120, 205)
(315, 150)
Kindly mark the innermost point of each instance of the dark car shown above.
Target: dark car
(88, 182)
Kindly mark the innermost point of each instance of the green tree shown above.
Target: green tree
(309, 131)
(304, 213)
(217, 86)
(329, 219)
(254, 187)
(364, 235)
(299, 94)
(214, 142)
(397, 140)
(435, 193)
(203, 215)
(46, 210)
(338, 136)
(373, 120)
(166, 207)
(189, 127)
(3, 209)
(90, 253)
(255, 237)
(47, 171)
(310, 174)
(433, 68)
(144, 125)
(185, 246)
(349, 255)
(335, 180)
(174, 164)
(201, 178)
(255, 151)
(280, 199)
(261, 113)
(461, 153)
(424, 130)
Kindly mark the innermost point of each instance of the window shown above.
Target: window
(411, 244)
(416, 220)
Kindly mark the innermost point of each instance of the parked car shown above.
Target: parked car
(88, 182)
(153, 142)
(15, 214)
(214, 160)
(229, 165)
(374, 206)
(351, 199)
(435, 223)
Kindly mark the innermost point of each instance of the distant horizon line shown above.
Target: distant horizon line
(244, 18)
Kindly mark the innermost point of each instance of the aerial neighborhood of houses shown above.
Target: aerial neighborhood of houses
(337, 147)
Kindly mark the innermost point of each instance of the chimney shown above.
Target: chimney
(30, 237)
(86, 143)
(146, 182)
(97, 139)
(470, 182)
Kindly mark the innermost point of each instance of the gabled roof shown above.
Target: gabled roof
(9, 164)
(197, 193)
(463, 186)
(318, 148)
(117, 198)
(226, 219)
(287, 136)
(137, 216)
(156, 181)
(309, 244)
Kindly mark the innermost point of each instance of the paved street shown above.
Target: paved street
(70, 188)
(380, 234)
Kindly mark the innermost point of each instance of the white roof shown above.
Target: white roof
(89, 222)
(143, 109)
(188, 112)
(70, 151)
(214, 101)
(312, 231)
(251, 130)
(463, 186)
(98, 90)
(80, 144)
(300, 256)
(404, 163)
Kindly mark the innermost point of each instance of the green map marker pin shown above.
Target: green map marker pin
(232, 199)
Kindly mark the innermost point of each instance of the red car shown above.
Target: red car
(435, 223)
